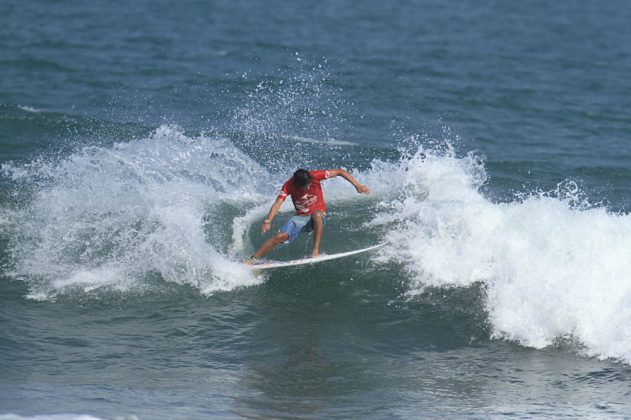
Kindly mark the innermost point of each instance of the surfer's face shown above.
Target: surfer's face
(306, 187)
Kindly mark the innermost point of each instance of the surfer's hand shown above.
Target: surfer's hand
(362, 189)
(265, 227)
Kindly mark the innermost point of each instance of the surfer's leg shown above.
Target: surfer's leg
(318, 227)
(286, 234)
(279, 237)
(267, 246)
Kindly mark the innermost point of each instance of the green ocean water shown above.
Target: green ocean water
(142, 143)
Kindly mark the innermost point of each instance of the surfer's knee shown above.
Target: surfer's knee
(281, 237)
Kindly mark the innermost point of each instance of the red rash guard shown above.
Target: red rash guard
(306, 201)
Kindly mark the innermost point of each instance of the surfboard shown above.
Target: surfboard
(314, 260)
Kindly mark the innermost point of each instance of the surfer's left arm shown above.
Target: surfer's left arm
(362, 189)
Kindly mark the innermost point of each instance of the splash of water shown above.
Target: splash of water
(109, 217)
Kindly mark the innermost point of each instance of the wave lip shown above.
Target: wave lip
(554, 267)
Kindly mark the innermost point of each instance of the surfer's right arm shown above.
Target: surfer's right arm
(267, 223)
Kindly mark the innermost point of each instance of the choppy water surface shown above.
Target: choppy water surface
(142, 143)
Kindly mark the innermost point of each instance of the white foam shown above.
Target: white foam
(28, 108)
(105, 217)
(330, 141)
(10, 416)
(551, 270)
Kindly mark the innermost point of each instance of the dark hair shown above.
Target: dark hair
(301, 178)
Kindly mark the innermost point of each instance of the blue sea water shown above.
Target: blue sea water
(142, 143)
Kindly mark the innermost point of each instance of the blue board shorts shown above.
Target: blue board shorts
(298, 224)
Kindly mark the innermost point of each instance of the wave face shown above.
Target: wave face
(111, 217)
(553, 266)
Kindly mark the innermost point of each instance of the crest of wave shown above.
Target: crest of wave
(112, 217)
(553, 266)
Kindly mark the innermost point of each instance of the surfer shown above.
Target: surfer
(306, 194)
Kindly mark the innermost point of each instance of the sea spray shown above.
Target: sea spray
(106, 217)
(293, 120)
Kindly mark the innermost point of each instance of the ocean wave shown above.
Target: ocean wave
(50, 417)
(553, 265)
(29, 109)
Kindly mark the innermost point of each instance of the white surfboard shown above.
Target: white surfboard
(313, 260)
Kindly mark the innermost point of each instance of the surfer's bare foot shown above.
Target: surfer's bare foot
(250, 261)
(315, 253)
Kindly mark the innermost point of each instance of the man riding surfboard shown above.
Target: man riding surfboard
(306, 194)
